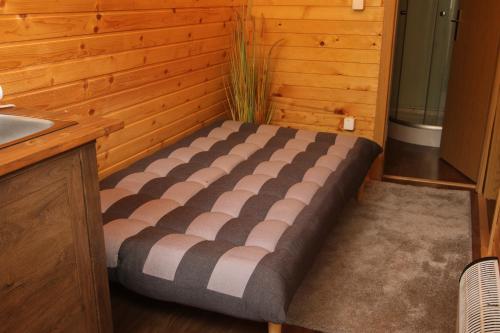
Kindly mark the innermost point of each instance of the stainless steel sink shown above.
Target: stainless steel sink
(15, 129)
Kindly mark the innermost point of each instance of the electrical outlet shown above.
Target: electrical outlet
(349, 123)
(358, 4)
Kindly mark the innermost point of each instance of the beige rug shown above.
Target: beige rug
(391, 264)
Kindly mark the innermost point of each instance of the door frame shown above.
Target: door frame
(385, 73)
(384, 94)
(384, 83)
(485, 157)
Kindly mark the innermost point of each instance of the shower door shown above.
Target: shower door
(422, 61)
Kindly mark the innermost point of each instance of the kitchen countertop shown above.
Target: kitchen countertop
(29, 152)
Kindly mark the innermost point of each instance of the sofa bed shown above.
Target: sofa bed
(230, 218)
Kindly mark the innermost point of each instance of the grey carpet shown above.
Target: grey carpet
(391, 264)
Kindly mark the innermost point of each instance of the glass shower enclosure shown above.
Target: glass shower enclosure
(424, 44)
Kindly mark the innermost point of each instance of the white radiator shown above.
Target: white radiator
(479, 299)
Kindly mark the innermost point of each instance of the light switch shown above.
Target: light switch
(358, 4)
(1, 93)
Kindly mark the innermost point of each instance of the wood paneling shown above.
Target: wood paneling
(159, 66)
(156, 65)
(328, 63)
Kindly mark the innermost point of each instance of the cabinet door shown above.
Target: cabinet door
(46, 270)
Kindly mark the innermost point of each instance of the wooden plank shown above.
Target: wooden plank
(327, 67)
(125, 98)
(364, 28)
(494, 241)
(162, 4)
(325, 54)
(47, 6)
(145, 109)
(374, 14)
(325, 94)
(68, 71)
(74, 6)
(321, 40)
(170, 140)
(312, 109)
(286, 113)
(484, 230)
(332, 3)
(340, 108)
(24, 54)
(322, 128)
(62, 96)
(117, 154)
(430, 182)
(159, 120)
(326, 81)
(43, 26)
(49, 98)
(321, 122)
(147, 74)
(475, 232)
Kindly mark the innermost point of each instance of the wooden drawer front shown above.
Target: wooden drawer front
(45, 280)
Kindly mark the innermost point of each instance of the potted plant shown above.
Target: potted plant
(248, 86)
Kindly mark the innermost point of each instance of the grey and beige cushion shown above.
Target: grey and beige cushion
(230, 218)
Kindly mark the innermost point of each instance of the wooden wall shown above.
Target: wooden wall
(328, 63)
(157, 65)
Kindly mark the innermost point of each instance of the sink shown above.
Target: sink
(15, 129)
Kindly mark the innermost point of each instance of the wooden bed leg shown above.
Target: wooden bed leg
(274, 328)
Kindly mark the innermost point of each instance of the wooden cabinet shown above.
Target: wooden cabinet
(52, 267)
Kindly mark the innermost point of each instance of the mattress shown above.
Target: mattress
(230, 218)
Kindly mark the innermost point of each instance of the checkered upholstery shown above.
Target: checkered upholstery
(230, 218)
